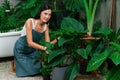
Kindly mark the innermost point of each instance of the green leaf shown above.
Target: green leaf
(104, 31)
(72, 71)
(55, 53)
(113, 74)
(115, 57)
(62, 41)
(2, 13)
(97, 60)
(83, 53)
(73, 5)
(88, 49)
(115, 45)
(71, 22)
(12, 21)
(57, 61)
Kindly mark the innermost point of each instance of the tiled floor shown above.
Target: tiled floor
(7, 74)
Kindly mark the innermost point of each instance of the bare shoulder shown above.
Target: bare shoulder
(28, 23)
(29, 20)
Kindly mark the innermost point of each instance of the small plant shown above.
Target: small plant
(8, 18)
(90, 14)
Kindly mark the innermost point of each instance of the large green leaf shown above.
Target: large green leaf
(103, 31)
(72, 71)
(57, 61)
(73, 5)
(30, 3)
(55, 53)
(71, 22)
(84, 52)
(115, 57)
(62, 41)
(113, 74)
(90, 13)
(96, 61)
(115, 45)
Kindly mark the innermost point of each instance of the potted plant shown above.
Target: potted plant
(8, 29)
(95, 53)
(69, 44)
(48, 63)
(108, 58)
(67, 47)
(90, 14)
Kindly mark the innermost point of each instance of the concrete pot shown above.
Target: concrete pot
(59, 73)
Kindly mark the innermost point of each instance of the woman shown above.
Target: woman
(27, 46)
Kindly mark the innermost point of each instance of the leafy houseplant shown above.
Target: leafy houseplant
(90, 14)
(69, 44)
(97, 54)
(8, 19)
(109, 55)
(28, 8)
(87, 6)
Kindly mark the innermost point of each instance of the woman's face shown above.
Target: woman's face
(45, 15)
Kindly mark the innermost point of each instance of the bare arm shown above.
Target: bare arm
(28, 25)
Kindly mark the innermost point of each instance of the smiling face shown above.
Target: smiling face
(45, 15)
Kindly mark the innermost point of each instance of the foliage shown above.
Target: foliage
(110, 55)
(73, 5)
(90, 13)
(8, 18)
(28, 8)
(14, 17)
(96, 53)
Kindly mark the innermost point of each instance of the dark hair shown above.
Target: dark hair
(42, 8)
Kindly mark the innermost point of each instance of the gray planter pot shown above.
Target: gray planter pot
(59, 73)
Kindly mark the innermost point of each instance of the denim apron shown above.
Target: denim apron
(25, 56)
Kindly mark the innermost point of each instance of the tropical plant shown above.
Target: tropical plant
(66, 47)
(113, 73)
(87, 6)
(28, 8)
(8, 18)
(73, 5)
(94, 53)
(108, 54)
(90, 14)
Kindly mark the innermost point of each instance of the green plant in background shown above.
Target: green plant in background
(8, 18)
(28, 8)
(87, 6)
(90, 14)
(14, 17)
(73, 5)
